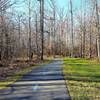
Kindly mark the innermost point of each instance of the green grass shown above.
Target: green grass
(83, 78)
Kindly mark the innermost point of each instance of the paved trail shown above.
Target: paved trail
(44, 83)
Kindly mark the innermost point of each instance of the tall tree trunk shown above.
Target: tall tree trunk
(81, 51)
(42, 27)
(84, 40)
(37, 46)
(90, 43)
(1, 38)
(30, 47)
(84, 31)
(7, 42)
(72, 33)
(19, 32)
(98, 29)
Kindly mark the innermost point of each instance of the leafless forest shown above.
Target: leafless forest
(41, 27)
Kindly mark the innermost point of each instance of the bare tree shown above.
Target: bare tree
(98, 29)
(30, 47)
(72, 33)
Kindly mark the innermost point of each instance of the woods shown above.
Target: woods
(50, 41)
(39, 28)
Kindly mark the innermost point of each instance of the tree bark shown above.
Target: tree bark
(72, 33)
(98, 29)
(42, 27)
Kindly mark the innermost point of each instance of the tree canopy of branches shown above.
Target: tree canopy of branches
(36, 28)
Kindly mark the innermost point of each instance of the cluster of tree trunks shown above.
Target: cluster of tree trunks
(40, 30)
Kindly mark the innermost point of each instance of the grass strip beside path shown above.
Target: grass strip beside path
(83, 78)
(11, 79)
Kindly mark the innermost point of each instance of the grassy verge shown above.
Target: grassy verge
(15, 77)
(11, 79)
(83, 78)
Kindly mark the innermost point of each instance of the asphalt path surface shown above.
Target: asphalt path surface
(44, 83)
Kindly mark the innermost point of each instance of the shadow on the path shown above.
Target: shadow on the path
(44, 83)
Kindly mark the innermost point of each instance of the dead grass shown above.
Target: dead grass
(84, 90)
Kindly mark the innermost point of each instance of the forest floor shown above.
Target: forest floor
(83, 78)
(13, 71)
